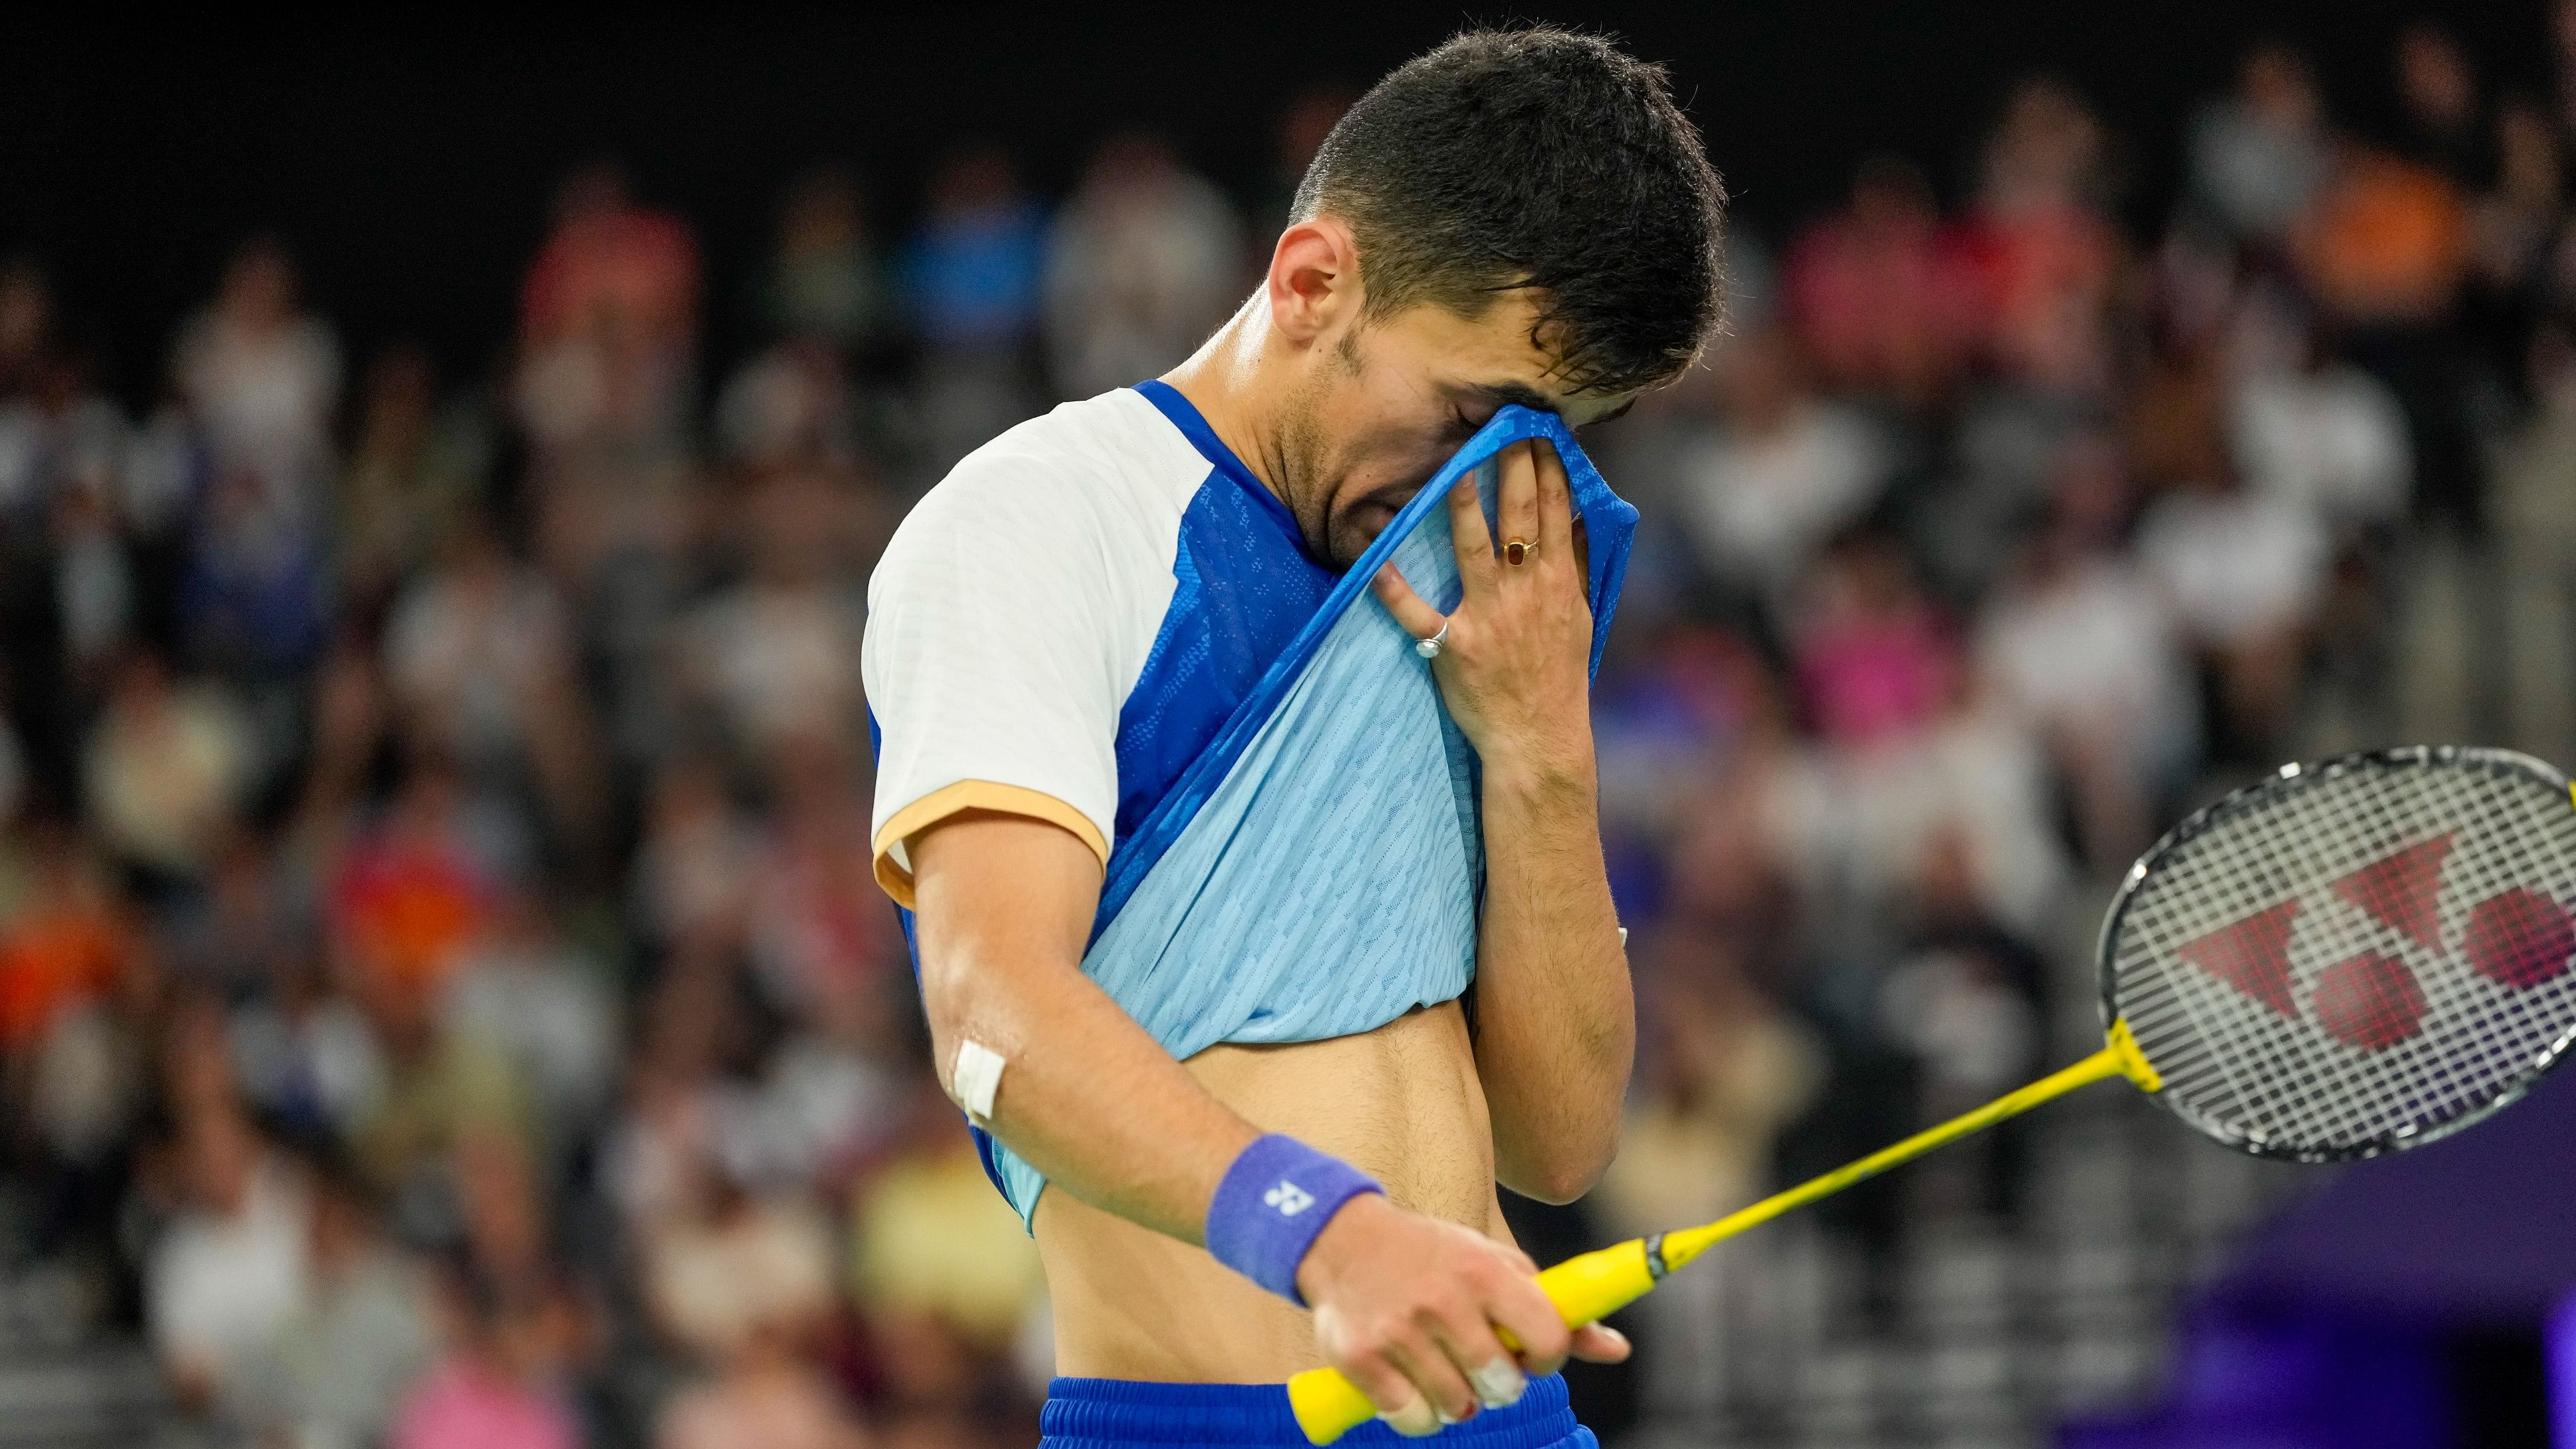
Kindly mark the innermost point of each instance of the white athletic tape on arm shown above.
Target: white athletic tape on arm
(977, 1079)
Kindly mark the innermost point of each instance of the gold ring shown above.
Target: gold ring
(1517, 551)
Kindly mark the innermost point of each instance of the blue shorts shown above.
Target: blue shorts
(1120, 1413)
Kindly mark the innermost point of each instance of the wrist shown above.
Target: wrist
(1271, 1206)
(1558, 766)
(1328, 1258)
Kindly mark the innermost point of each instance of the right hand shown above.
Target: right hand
(1408, 1305)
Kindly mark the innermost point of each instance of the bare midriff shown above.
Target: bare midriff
(1402, 1103)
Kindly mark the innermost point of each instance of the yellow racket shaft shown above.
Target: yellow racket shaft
(1588, 1288)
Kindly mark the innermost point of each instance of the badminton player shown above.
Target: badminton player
(1063, 624)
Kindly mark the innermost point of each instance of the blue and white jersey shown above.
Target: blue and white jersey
(1104, 620)
(1064, 623)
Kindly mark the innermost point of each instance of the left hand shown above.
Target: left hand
(1515, 667)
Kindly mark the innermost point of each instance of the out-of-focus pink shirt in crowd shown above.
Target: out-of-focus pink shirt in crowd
(1866, 680)
(463, 1405)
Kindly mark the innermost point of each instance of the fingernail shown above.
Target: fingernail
(1499, 1384)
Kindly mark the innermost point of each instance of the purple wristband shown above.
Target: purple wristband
(1272, 1203)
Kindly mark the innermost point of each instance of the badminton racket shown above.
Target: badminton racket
(2341, 960)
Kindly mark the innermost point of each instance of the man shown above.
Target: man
(1068, 620)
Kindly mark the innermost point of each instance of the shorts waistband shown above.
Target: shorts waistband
(1118, 1413)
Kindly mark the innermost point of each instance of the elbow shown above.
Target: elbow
(1569, 1170)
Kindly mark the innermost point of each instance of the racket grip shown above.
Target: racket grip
(1584, 1289)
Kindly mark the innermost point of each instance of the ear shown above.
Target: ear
(1314, 279)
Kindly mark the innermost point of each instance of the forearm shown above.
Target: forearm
(1555, 1018)
(1085, 1094)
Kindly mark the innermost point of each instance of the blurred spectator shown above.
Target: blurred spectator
(59, 437)
(2517, 225)
(2259, 156)
(407, 893)
(944, 1274)
(826, 282)
(1141, 266)
(2321, 435)
(1784, 472)
(789, 405)
(2438, 91)
(608, 319)
(973, 279)
(26, 325)
(2082, 645)
(2041, 236)
(2244, 573)
(524, 988)
(62, 452)
(356, 1341)
(2385, 249)
(1874, 662)
(500, 1383)
(1966, 999)
(67, 944)
(415, 478)
(231, 1270)
(2386, 241)
(167, 769)
(695, 867)
(263, 376)
(1882, 297)
(611, 256)
(972, 272)
(778, 653)
(479, 657)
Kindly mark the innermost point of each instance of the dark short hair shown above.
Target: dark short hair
(1541, 159)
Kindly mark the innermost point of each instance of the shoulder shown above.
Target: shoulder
(1104, 479)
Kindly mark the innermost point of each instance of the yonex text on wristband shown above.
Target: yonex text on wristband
(1272, 1203)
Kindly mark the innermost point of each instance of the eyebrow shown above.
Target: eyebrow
(1507, 393)
(1503, 393)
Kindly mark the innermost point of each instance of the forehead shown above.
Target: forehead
(1499, 356)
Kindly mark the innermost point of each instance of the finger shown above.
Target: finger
(1600, 1343)
(1519, 1307)
(1398, 1402)
(1491, 1371)
(1418, 618)
(1518, 506)
(1555, 502)
(1434, 1374)
(1468, 536)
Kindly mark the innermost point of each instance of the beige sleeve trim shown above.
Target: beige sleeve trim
(894, 869)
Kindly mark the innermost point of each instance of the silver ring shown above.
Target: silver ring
(1430, 648)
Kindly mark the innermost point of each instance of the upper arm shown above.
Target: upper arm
(996, 893)
(1001, 642)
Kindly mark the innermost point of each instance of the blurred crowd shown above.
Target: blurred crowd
(443, 997)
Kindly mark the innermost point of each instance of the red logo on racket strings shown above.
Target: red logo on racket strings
(2516, 938)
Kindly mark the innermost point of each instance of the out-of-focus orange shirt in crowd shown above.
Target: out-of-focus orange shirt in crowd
(406, 911)
(2388, 241)
(55, 956)
(638, 265)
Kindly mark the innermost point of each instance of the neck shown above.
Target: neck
(1227, 380)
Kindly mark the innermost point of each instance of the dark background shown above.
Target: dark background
(408, 159)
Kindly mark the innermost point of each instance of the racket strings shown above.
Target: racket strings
(2356, 957)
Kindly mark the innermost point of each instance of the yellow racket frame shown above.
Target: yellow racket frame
(1597, 1284)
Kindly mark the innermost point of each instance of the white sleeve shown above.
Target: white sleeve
(1000, 647)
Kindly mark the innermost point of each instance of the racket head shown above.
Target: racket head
(2353, 957)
